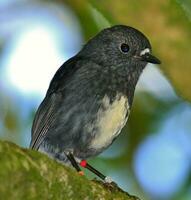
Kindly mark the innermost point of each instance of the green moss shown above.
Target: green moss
(26, 174)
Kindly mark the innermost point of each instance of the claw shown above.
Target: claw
(108, 179)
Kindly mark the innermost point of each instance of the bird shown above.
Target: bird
(90, 97)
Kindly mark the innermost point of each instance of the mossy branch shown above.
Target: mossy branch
(27, 174)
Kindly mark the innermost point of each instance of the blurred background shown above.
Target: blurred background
(152, 157)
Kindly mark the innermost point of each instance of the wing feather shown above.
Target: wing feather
(44, 119)
(45, 115)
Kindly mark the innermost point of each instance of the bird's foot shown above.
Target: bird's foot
(81, 173)
(113, 187)
(107, 183)
(110, 184)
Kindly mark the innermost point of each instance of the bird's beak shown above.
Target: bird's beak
(147, 57)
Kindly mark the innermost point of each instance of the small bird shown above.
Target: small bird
(90, 97)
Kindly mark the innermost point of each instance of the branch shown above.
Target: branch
(27, 174)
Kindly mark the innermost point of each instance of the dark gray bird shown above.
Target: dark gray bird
(89, 98)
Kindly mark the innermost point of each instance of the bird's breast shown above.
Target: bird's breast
(111, 118)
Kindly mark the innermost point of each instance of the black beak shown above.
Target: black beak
(147, 57)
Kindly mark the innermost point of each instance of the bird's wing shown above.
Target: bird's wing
(45, 115)
(44, 118)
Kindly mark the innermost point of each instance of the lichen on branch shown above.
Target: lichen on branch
(27, 174)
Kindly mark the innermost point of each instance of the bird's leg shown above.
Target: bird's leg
(74, 163)
(84, 164)
(108, 182)
(106, 179)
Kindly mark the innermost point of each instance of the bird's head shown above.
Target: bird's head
(120, 46)
(122, 52)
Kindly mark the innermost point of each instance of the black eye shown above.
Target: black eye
(124, 48)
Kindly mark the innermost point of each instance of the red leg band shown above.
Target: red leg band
(83, 163)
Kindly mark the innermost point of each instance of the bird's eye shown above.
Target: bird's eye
(124, 48)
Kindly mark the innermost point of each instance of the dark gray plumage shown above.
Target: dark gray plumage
(90, 96)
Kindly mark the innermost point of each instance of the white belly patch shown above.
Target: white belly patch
(111, 119)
